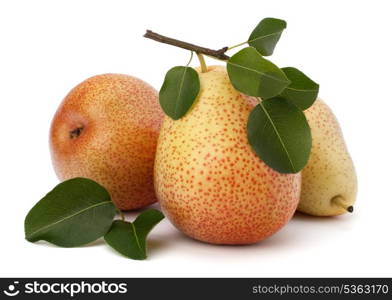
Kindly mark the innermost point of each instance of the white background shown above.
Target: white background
(47, 47)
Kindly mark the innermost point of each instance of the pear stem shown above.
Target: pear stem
(190, 59)
(338, 201)
(121, 214)
(238, 45)
(219, 54)
(202, 63)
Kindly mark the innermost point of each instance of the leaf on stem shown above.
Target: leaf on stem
(280, 135)
(302, 90)
(76, 212)
(266, 35)
(179, 90)
(254, 75)
(129, 239)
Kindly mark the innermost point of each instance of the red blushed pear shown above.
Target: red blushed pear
(209, 181)
(106, 129)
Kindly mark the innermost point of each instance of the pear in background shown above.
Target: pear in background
(106, 129)
(329, 182)
(209, 182)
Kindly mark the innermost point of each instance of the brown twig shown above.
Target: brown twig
(219, 54)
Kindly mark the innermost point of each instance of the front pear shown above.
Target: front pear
(210, 183)
(329, 181)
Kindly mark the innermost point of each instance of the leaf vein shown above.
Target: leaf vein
(265, 36)
(179, 91)
(278, 135)
(66, 218)
(256, 71)
(137, 239)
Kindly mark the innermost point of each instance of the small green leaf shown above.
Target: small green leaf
(253, 75)
(179, 90)
(76, 212)
(129, 239)
(280, 135)
(302, 90)
(266, 35)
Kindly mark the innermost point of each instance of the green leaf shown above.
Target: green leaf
(253, 75)
(76, 212)
(129, 239)
(280, 135)
(179, 90)
(266, 35)
(302, 90)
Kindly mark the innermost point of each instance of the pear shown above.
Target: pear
(329, 181)
(106, 129)
(209, 182)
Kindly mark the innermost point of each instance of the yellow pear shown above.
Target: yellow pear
(208, 180)
(329, 182)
